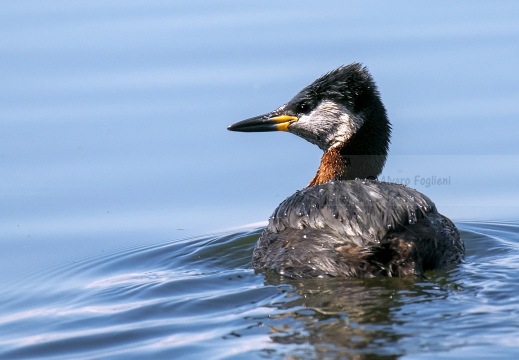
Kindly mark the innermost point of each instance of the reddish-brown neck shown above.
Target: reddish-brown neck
(333, 167)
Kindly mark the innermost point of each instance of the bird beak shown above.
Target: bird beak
(268, 122)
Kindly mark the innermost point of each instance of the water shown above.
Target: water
(115, 164)
(198, 297)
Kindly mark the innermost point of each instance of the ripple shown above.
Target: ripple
(198, 297)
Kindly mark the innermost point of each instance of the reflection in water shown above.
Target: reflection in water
(350, 318)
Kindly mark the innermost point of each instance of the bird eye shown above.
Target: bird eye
(304, 108)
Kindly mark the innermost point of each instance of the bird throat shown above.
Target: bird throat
(335, 165)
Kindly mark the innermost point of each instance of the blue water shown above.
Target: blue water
(198, 297)
(115, 164)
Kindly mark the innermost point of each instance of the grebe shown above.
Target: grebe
(345, 223)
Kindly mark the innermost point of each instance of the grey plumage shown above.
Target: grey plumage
(357, 228)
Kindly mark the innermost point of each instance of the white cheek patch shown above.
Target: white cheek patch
(349, 124)
(332, 122)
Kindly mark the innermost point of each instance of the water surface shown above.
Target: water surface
(198, 297)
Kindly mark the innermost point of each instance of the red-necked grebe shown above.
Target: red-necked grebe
(345, 223)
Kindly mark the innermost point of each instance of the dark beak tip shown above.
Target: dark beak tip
(260, 123)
